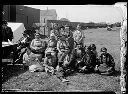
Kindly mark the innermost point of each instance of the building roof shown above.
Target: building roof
(48, 12)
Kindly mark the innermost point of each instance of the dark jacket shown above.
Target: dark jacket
(7, 34)
(108, 60)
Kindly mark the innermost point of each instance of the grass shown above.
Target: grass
(17, 78)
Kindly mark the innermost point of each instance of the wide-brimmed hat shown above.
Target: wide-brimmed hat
(103, 49)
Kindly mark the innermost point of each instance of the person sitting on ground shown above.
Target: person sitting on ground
(77, 57)
(30, 60)
(52, 47)
(91, 58)
(106, 63)
(38, 47)
(50, 63)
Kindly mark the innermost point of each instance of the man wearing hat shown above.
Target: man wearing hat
(78, 36)
(106, 62)
(7, 33)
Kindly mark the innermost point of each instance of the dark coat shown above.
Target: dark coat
(7, 34)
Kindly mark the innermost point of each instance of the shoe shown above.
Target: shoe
(65, 80)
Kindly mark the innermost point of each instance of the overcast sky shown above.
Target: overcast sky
(85, 13)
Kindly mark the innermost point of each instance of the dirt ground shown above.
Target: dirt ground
(17, 78)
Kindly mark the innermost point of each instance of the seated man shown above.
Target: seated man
(77, 57)
(50, 63)
(91, 58)
(30, 60)
(106, 62)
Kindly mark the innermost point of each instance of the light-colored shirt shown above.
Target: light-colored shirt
(78, 36)
(26, 58)
(37, 44)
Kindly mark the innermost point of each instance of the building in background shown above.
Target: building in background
(45, 15)
(22, 14)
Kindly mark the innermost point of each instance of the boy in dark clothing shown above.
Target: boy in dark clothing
(106, 63)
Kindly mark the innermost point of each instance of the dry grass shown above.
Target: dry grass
(41, 81)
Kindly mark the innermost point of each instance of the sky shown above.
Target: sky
(85, 13)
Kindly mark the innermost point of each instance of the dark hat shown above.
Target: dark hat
(62, 27)
(93, 46)
(103, 49)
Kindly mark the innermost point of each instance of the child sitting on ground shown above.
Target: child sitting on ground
(30, 60)
(49, 63)
(106, 62)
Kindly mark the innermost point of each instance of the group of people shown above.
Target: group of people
(65, 53)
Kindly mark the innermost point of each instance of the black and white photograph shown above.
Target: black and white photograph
(64, 48)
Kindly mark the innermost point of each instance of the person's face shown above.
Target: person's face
(67, 29)
(55, 26)
(37, 36)
(49, 56)
(61, 29)
(79, 46)
(78, 27)
(103, 52)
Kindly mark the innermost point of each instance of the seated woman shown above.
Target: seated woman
(51, 47)
(38, 47)
(31, 61)
(106, 62)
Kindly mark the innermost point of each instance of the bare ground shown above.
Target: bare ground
(17, 78)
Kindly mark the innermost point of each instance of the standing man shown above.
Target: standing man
(70, 39)
(7, 34)
(78, 36)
